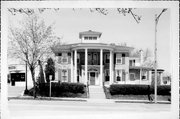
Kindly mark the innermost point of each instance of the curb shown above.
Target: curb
(44, 99)
(142, 101)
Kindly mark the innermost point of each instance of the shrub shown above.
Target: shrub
(128, 89)
(59, 89)
(162, 90)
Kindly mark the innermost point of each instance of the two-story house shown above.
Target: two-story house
(95, 63)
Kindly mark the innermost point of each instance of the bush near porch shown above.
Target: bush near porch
(128, 89)
(61, 90)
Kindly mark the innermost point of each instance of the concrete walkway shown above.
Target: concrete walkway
(96, 92)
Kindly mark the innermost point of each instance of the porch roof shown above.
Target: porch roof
(140, 67)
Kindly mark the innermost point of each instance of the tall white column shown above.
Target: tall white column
(150, 77)
(75, 68)
(161, 79)
(140, 76)
(86, 63)
(110, 68)
(72, 68)
(101, 67)
(112, 64)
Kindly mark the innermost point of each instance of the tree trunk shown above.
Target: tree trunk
(34, 82)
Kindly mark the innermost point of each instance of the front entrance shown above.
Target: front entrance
(93, 78)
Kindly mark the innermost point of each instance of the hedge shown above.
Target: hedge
(128, 89)
(59, 89)
(162, 90)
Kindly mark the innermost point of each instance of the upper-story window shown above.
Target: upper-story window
(118, 59)
(132, 62)
(64, 58)
(107, 58)
(78, 58)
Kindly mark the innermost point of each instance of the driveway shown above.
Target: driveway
(15, 91)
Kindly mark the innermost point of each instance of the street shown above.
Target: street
(28, 109)
(46, 109)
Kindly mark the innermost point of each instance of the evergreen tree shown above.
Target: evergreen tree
(50, 69)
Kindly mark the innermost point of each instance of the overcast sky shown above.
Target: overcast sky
(115, 28)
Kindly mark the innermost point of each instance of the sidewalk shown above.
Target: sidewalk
(86, 100)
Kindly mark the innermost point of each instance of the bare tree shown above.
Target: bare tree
(104, 11)
(30, 42)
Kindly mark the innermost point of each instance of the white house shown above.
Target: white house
(95, 63)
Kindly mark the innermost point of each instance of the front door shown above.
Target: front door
(92, 78)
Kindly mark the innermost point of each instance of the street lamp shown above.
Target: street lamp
(155, 52)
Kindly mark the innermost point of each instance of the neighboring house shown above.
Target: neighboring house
(94, 63)
(17, 73)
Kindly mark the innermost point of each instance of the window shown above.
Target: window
(107, 58)
(95, 59)
(132, 76)
(118, 75)
(94, 38)
(106, 75)
(118, 59)
(89, 59)
(90, 38)
(144, 75)
(64, 75)
(85, 38)
(132, 62)
(64, 59)
(78, 58)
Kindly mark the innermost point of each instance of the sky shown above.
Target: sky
(115, 28)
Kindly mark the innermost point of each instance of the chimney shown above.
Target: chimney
(141, 57)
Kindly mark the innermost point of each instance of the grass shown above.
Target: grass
(133, 97)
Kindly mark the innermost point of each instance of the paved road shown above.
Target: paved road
(32, 109)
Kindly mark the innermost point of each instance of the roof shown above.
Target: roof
(140, 67)
(146, 68)
(90, 32)
(69, 47)
(160, 70)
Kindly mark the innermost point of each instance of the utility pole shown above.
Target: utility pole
(155, 55)
(26, 90)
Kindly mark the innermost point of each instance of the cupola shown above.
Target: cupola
(89, 36)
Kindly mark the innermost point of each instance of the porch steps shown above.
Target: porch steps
(96, 92)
